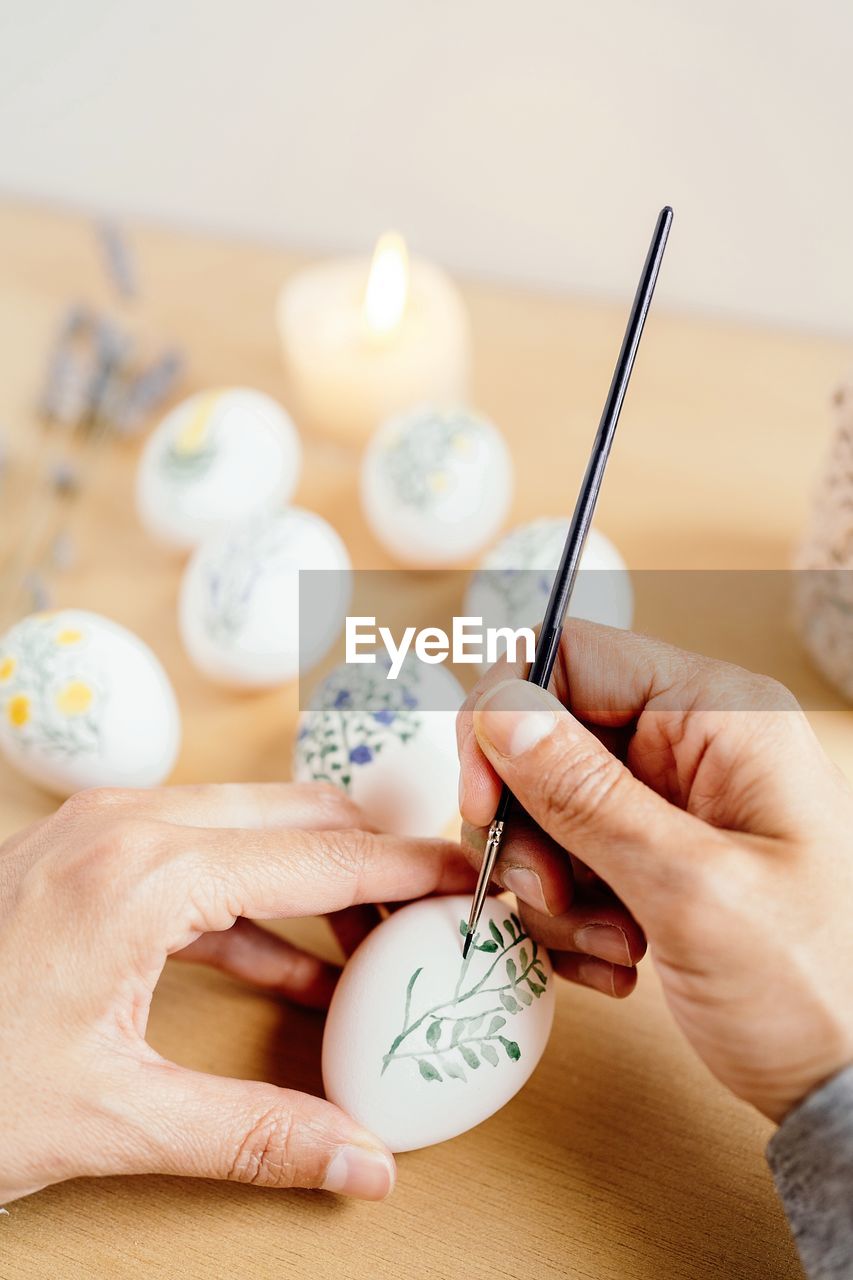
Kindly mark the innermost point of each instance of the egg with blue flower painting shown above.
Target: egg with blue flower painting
(389, 743)
(513, 583)
(85, 703)
(436, 485)
(421, 1044)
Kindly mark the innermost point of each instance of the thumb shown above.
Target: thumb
(206, 1126)
(582, 795)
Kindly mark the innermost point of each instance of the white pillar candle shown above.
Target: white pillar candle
(364, 340)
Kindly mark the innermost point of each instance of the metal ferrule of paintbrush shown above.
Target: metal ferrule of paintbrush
(490, 858)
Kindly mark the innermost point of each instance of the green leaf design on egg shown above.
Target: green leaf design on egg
(459, 1032)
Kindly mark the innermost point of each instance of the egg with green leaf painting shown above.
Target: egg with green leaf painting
(421, 1045)
(436, 484)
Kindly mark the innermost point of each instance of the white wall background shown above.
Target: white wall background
(525, 141)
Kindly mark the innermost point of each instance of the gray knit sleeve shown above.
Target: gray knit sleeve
(811, 1158)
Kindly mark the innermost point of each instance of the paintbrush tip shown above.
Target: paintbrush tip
(466, 945)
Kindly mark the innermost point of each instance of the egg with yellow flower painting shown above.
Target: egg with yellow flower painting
(84, 703)
(220, 457)
(436, 485)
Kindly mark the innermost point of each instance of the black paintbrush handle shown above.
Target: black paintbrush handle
(567, 571)
(564, 580)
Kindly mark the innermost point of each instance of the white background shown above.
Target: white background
(531, 142)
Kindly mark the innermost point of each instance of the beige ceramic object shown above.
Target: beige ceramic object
(825, 588)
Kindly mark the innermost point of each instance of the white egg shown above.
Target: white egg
(420, 1045)
(218, 458)
(85, 704)
(513, 583)
(239, 605)
(390, 744)
(435, 485)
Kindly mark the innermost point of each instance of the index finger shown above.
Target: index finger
(218, 875)
(318, 805)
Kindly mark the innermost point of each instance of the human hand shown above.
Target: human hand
(699, 812)
(93, 900)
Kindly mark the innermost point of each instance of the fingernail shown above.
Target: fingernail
(461, 792)
(526, 886)
(514, 716)
(357, 1171)
(597, 974)
(607, 941)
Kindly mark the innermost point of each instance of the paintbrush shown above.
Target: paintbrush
(566, 575)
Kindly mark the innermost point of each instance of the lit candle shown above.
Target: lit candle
(364, 339)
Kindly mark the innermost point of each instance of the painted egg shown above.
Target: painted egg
(420, 1045)
(239, 605)
(219, 458)
(85, 704)
(513, 583)
(435, 485)
(390, 744)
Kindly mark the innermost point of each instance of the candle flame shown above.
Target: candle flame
(387, 284)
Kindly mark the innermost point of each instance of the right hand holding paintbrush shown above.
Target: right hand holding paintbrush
(711, 823)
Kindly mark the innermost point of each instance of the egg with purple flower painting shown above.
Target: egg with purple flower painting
(389, 743)
(264, 601)
(513, 583)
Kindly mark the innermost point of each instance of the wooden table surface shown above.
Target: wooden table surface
(622, 1157)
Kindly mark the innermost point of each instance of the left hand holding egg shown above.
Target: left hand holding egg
(181, 870)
